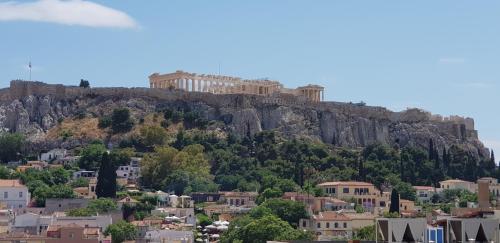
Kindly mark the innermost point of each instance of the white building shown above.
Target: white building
(84, 174)
(169, 236)
(37, 224)
(53, 154)
(13, 194)
(424, 193)
(131, 171)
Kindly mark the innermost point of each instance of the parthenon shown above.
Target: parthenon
(220, 84)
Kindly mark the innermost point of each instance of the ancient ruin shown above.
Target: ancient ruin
(219, 84)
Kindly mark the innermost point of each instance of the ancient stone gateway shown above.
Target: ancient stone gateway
(219, 84)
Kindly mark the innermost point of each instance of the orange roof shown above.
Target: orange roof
(11, 183)
(330, 215)
(345, 183)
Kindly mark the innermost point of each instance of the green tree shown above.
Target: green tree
(84, 83)
(121, 121)
(394, 201)
(104, 122)
(121, 232)
(11, 146)
(366, 233)
(153, 136)
(203, 220)
(261, 230)
(60, 175)
(91, 156)
(106, 179)
(102, 205)
(80, 182)
(287, 210)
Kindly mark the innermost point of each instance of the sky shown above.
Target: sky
(441, 56)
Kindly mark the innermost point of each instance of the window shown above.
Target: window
(20, 205)
(327, 225)
(336, 225)
(304, 224)
(71, 235)
(20, 194)
(345, 225)
(5, 194)
(319, 225)
(346, 190)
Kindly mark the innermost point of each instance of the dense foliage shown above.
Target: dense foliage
(121, 231)
(11, 146)
(121, 121)
(266, 161)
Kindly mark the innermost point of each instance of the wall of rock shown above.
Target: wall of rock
(34, 107)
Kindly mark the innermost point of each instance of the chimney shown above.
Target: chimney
(483, 194)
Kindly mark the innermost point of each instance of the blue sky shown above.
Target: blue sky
(442, 56)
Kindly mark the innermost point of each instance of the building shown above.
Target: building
(219, 84)
(36, 165)
(240, 198)
(328, 225)
(53, 154)
(36, 224)
(185, 215)
(132, 171)
(129, 172)
(64, 204)
(169, 236)
(75, 234)
(406, 205)
(458, 184)
(470, 229)
(13, 194)
(424, 193)
(202, 197)
(84, 174)
(317, 204)
(363, 193)
(91, 188)
(396, 230)
(494, 186)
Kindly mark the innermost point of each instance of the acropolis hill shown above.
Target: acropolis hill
(34, 108)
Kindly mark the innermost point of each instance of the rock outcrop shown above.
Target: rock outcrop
(32, 108)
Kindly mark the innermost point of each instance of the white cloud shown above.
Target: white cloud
(67, 12)
(451, 60)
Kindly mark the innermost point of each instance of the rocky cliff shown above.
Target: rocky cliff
(32, 108)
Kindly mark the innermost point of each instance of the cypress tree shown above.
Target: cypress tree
(361, 169)
(106, 180)
(431, 149)
(492, 157)
(394, 201)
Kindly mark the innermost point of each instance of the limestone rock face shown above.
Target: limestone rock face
(338, 124)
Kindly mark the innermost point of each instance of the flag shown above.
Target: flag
(29, 65)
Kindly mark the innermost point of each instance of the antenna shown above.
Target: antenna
(29, 65)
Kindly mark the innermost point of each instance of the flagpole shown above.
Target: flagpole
(30, 69)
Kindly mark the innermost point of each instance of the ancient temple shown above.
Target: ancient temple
(220, 84)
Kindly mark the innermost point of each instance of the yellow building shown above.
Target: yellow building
(458, 184)
(363, 193)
